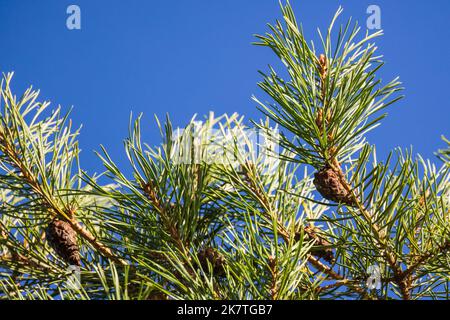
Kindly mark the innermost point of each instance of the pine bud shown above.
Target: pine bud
(216, 260)
(63, 239)
(330, 187)
(319, 119)
(323, 66)
(322, 60)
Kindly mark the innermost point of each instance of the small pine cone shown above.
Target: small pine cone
(63, 239)
(319, 119)
(214, 258)
(330, 187)
(325, 253)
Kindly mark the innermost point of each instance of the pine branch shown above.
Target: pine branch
(17, 142)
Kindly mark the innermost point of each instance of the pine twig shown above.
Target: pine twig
(49, 202)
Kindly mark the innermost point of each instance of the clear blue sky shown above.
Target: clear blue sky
(187, 57)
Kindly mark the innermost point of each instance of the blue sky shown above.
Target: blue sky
(187, 57)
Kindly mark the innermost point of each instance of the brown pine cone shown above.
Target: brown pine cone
(330, 187)
(63, 239)
(325, 253)
(214, 258)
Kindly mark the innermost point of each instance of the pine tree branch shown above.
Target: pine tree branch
(149, 190)
(248, 168)
(23, 262)
(399, 278)
(322, 121)
(424, 258)
(48, 201)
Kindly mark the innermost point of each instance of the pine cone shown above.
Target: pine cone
(63, 239)
(214, 258)
(325, 253)
(330, 187)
